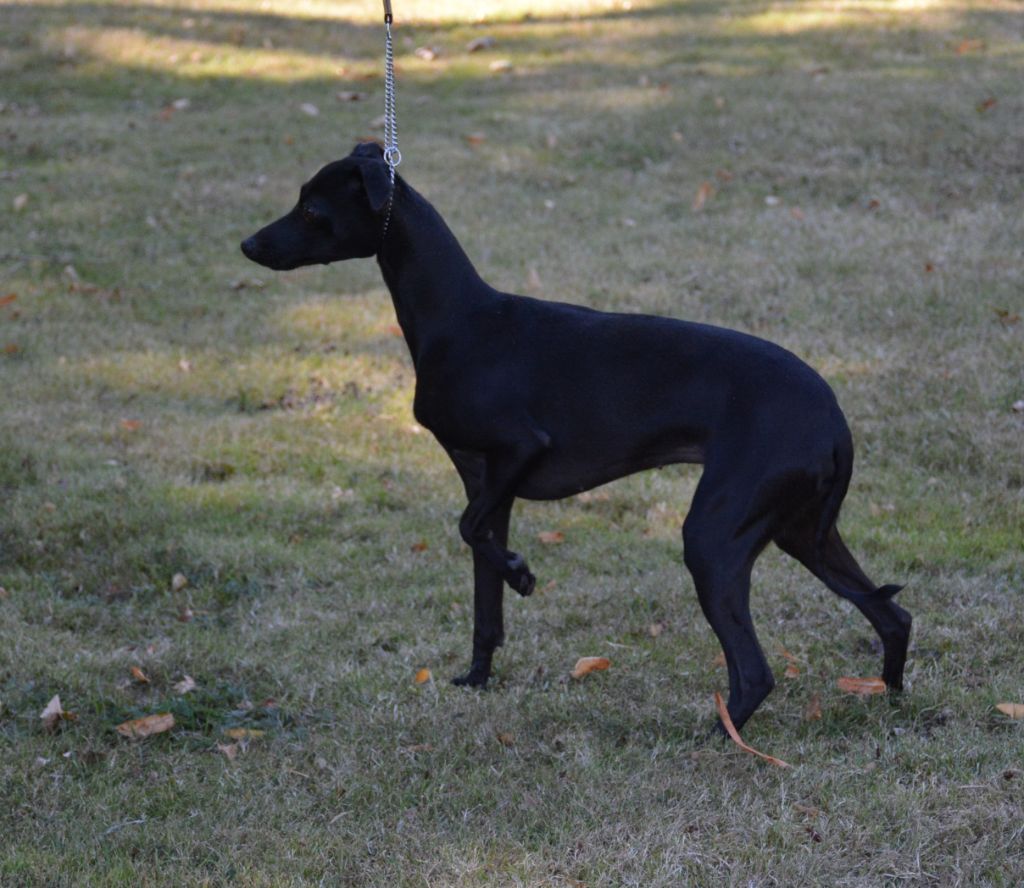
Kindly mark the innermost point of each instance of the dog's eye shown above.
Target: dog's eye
(309, 214)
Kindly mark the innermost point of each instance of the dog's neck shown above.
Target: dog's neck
(425, 268)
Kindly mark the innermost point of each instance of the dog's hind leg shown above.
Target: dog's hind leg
(721, 541)
(827, 557)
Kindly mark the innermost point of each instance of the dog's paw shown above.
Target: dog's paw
(519, 577)
(476, 678)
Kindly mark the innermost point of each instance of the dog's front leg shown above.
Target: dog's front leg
(495, 489)
(488, 620)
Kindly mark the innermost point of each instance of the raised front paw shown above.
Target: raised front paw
(518, 575)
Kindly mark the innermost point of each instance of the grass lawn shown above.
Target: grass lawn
(212, 471)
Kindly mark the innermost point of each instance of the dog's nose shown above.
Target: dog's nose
(249, 247)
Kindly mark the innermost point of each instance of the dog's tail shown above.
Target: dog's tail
(840, 572)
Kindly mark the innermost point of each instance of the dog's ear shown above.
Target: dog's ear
(376, 183)
(375, 173)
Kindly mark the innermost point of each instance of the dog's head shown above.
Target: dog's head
(340, 215)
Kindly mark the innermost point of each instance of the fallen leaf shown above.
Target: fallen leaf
(187, 683)
(505, 739)
(54, 714)
(423, 676)
(719, 659)
(229, 750)
(8, 299)
(3, 593)
(704, 193)
(971, 44)
(586, 665)
(730, 729)
(1006, 317)
(791, 671)
(551, 537)
(1014, 710)
(1017, 406)
(427, 53)
(310, 109)
(807, 810)
(20, 202)
(178, 582)
(140, 728)
(245, 733)
(475, 138)
(656, 628)
(796, 213)
(12, 348)
(500, 66)
(863, 687)
(181, 104)
(986, 104)
(185, 615)
(480, 43)
(812, 712)
(350, 96)
(419, 747)
(139, 675)
(131, 425)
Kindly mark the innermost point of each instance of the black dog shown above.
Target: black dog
(542, 400)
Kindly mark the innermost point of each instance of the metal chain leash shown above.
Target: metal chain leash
(392, 156)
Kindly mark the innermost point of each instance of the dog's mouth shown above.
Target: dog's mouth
(256, 251)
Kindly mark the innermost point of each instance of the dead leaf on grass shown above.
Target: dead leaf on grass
(812, 712)
(147, 726)
(479, 43)
(138, 675)
(505, 738)
(551, 537)
(53, 714)
(245, 733)
(8, 299)
(704, 193)
(656, 628)
(863, 687)
(987, 104)
(229, 750)
(420, 546)
(131, 425)
(1014, 710)
(1017, 406)
(719, 659)
(586, 665)
(187, 683)
(730, 729)
(423, 676)
(971, 44)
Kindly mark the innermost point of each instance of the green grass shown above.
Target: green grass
(167, 408)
